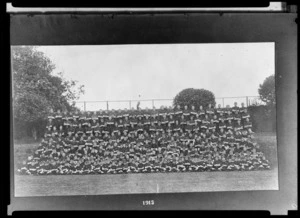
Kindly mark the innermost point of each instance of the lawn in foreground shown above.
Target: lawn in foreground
(58, 185)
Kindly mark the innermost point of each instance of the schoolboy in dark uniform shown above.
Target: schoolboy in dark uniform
(229, 116)
(177, 127)
(236, 117)
(55, 132)
(248, 125)
(215, 122)
(219, 111)
(229, 125)
(214, 137)
(110, 125)
(178, 112)
(51, 117)
(244, 115)
(88, 130)
(161, 114)
(186, 113)
(79, 130)
(201, 112)
(238, 140)
(205, 123)
(94, 125)
(89, 117)
(191, 124)
(183, 123)
(164, 122)
(48, 132)
(58, 119)
(222, 125)
(100, 116)
(75, 117)
(169, 129)
(82, 119)
(126, 123)
(146, 123)
(235, 108)
(120, 126)
(94, 117)
(193, 111)
(210, 111)
(198, 121)
(152, 128)
(238, 127)
(242, 109)
(64, 119)
(132, 129)
(119, 115)
(146, 114)
(171, 113)
(105, 115)
(133, 121)
(116, 130)
(230, 138)
(140, 127)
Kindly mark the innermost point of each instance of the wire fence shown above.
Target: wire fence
(157, 103)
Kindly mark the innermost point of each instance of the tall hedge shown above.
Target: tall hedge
(194, 97)
(263, 118)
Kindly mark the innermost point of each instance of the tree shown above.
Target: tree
(36, 90)
(267, 91)
(267, 94)
(194, 97)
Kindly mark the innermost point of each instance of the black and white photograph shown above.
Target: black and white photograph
(144, 118)
(152, 109)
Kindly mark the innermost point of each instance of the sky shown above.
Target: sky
(122, 72)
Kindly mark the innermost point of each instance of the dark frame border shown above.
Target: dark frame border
(156, 28)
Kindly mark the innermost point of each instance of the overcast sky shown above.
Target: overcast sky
(116, 72)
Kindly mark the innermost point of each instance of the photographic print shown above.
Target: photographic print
(144, 118)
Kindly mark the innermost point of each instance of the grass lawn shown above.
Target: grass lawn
(22, 150)
(268, 145)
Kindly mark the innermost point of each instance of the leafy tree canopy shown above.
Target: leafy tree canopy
(194, 97)
(36, 90)
(267, 91)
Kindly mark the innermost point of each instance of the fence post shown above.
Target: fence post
(152, 103)
(106, 105)
(247, 101)
(84, 106)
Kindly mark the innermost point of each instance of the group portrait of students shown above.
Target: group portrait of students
(178, 139)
